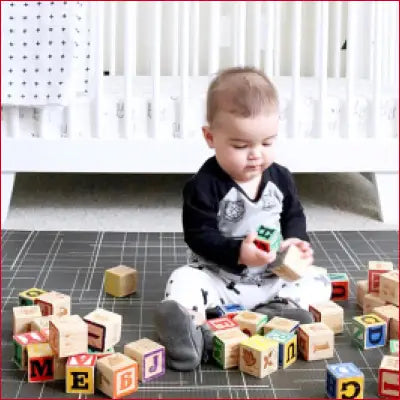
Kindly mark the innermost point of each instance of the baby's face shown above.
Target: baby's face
(244, 147)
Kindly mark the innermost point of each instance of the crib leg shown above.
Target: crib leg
(7, 184)
(387, 185)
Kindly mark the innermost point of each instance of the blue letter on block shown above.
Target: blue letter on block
(376, 336)
(330, 385)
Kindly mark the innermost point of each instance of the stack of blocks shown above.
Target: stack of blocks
(51, 344)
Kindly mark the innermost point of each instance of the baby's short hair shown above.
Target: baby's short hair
(241, 91)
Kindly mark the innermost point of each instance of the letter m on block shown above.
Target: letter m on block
(41, 369)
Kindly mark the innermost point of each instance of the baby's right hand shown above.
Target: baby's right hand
(251, 255)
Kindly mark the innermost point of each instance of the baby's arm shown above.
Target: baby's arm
(200, 225)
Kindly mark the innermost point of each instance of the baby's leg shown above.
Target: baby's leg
(194, 289)
(315, 287)
(188, 293)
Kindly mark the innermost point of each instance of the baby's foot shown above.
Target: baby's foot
(183, 340)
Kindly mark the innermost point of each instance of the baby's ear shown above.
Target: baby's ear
(208, 136)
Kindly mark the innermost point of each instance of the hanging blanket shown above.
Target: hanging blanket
(46, 52)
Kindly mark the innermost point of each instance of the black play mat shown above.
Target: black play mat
(74, 262)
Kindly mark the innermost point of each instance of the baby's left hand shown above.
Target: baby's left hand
(303, 246)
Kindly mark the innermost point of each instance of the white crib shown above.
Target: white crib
(339, 108)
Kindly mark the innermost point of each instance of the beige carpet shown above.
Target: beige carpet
(152, 202)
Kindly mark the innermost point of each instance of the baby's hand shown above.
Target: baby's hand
(252, 256)
(303, 246)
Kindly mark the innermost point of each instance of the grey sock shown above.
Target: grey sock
(208, 337)
(183, 341)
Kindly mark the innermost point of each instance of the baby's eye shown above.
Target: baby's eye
(267, 144)
(237, 146)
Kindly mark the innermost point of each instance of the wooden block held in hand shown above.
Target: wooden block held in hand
(117, 375)
(150, 357)
(289, 264)
(315, 341)
(23, 317)
(268, 239)
(388, 377)
(120, 281)
(54, 303)
(375, 269)
(344, 381)
(330, 314)
(104, 329)
(68, 335)
(258, 356)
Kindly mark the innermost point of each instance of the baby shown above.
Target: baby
(224, 203)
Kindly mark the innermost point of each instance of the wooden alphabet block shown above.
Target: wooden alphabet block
(389, 287)
(221, 324)
(40, 362)
(79, 376)
(289, 264)
(340, 286)
(45, 332)
(120, 281)
(27, 297)
(362, 290)
(287, 343)
(368, 331)
(68, 335)
(54, 303)
(60, 367)
(344, 381)
(388, 377)
(117, 375)
(40, 323)
(390, 314)
(226, 347)
(101, 354)
(150, 357)
(394, 347)
(330, 314)
(22, 318)
(20, 343)
(268, 239)
(104, 328)
(281, 324)
(258, 356)
(372, 300)
(375, 269)
(250, 322)
(315, 341)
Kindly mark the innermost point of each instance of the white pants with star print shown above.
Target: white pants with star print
(201, 289)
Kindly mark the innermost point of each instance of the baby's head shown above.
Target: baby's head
(242, 116)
